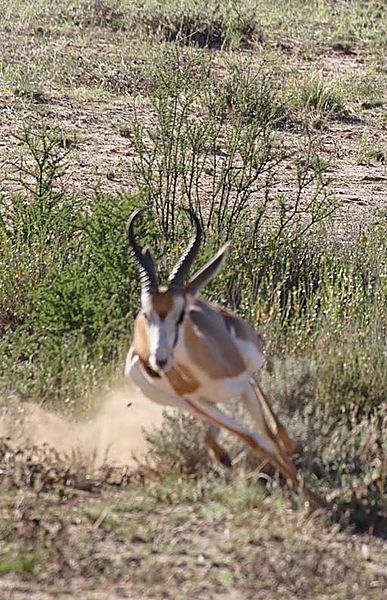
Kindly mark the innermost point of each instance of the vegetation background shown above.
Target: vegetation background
(268, 119)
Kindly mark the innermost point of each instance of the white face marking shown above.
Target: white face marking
(163, 331)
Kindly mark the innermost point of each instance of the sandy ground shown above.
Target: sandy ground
(102, 159)
(114, 433)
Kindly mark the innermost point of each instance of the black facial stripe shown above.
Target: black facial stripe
(178, 323)
(181, 317)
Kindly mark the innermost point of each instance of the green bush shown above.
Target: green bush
(69, 289)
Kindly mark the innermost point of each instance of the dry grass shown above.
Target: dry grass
(208, 537)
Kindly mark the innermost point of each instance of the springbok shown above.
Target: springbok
(192, 354)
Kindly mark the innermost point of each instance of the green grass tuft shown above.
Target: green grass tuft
(23, 564)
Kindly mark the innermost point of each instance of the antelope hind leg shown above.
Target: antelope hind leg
(289, 445)
(259, 408)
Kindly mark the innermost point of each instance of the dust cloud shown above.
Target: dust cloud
(113, 433)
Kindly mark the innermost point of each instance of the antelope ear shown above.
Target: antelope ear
(206, 273)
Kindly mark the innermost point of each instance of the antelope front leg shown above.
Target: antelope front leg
(219, 453)
(259, 444)
(263, 446)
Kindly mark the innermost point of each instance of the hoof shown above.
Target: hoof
(226, 461)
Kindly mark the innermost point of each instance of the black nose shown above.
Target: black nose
(161, 363)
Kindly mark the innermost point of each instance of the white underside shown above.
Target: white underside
(159, 391)
(210, 392)
(216, 391)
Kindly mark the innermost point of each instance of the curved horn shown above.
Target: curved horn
(180, 270)
(144, 259)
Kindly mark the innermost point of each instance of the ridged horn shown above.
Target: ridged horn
(180, 270)
(143, 257)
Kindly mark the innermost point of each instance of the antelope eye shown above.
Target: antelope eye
(145, 316)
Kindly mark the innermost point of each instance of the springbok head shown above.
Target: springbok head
(164, 307)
